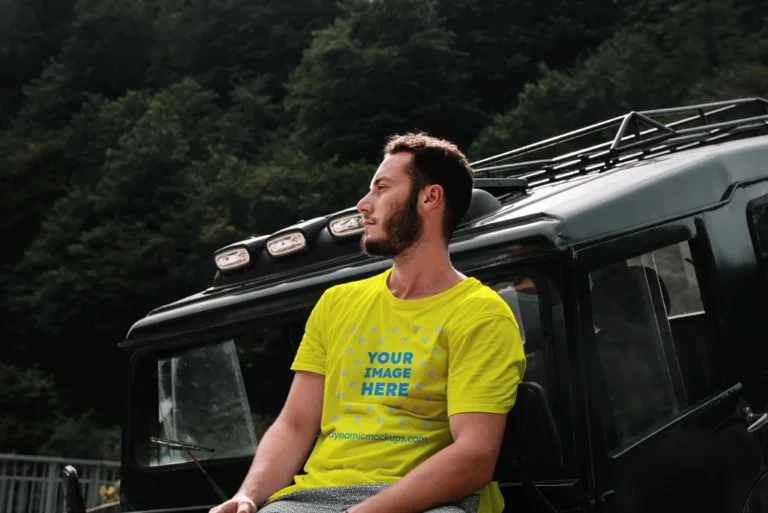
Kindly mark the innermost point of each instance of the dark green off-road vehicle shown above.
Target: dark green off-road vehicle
(637, 268)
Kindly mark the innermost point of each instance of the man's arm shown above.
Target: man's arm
(455, 472)
(287, 442)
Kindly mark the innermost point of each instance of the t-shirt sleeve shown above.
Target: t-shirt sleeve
(486, 363)
(313, 346)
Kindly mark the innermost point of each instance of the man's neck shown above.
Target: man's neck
(425, 270)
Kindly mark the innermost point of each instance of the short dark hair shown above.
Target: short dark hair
(438, 162)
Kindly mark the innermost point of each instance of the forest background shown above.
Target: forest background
(136, 137)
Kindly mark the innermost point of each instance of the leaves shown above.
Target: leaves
(27, 400)
(380, 68)
(673, 62)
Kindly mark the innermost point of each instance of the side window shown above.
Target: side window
(654, 341)
(757, 216)
(520, 293)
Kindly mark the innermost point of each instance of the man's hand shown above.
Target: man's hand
(237, 504)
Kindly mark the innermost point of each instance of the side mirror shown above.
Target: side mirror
(72, 494)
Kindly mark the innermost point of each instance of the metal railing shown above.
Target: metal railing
(33, 484)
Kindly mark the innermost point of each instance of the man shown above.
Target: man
(407, 376)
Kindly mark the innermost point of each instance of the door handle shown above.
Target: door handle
(754, 420)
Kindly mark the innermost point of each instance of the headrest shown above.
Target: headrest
(618, 293)
(482, 204)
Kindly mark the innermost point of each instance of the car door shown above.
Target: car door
(666, 384)
(533, 291)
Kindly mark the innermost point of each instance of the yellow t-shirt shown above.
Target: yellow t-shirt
(396, 370)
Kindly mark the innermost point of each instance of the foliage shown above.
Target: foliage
(506, 42)
(102, 34)
(82, 437)
(683, 58)
(28, 400)
(382, 67)
(30, 32)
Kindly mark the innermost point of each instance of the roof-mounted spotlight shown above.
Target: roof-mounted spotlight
(239, 255)
(229, 259)
(294, 239)
(346, 223)
(287, 244)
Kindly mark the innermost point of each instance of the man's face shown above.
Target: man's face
(392, 221)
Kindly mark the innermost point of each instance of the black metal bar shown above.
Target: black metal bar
(622, 130)
(653, 122)
(703, 116)
(736, 131)
(727, 106)
(710, 114)
(627, 147)
(646, 142)
(680, 122)
(213, 484)
(690, 140)
(693, 108)
(636, 118)
(723, 124)
(608, 144)
(675, 142)
(511, 167)
(550, 142)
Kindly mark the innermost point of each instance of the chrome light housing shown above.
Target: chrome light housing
(286, 244)
(347, 225)
(234, 258)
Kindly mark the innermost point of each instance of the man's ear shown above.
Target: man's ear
(432, 197)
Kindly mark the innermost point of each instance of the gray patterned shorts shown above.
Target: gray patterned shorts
(336, 499)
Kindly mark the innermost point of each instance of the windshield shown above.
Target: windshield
(202, 401)
(222, 395)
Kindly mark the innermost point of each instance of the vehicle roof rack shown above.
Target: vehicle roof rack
(630, 142)
(502, 186)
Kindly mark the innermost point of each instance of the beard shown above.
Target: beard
(401, 230)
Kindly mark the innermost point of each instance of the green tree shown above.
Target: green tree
(227, 43)
(109, 248)
(31, 32)
(290, 187)
(29, 404)
(38, 170)
(675, 62)
(169, 191)
(106, 52)
(382, 67)
(507, 41)
(82, 437)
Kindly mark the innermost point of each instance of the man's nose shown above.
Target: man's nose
(364, 205)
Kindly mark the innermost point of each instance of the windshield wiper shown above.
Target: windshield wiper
(180, 446)
(173, 444)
